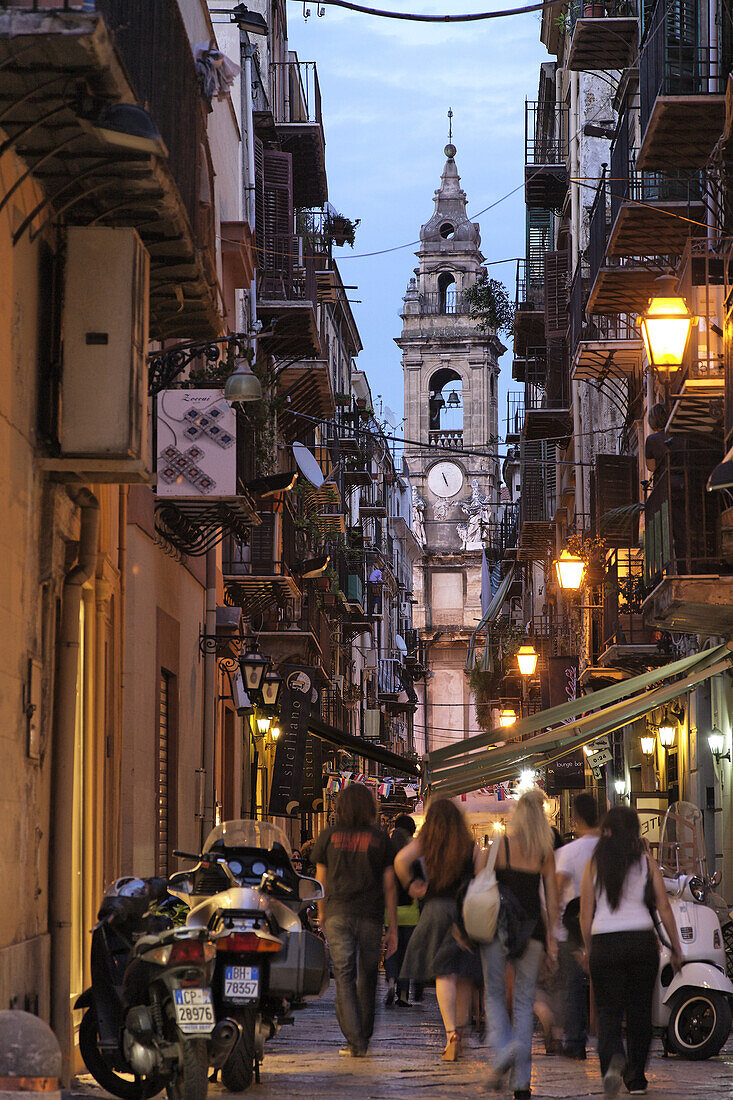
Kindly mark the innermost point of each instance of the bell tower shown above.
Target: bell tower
(450, 370)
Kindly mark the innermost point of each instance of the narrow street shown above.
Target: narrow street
(404, 1060)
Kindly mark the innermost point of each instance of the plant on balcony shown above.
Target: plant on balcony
(342, 399)
(341, 230)
(503, 641)
(489, 304)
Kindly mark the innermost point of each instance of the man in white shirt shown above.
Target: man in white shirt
(570, 863)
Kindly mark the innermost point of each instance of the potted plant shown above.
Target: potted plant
(593, 11)
(340, 229)
(343, 400)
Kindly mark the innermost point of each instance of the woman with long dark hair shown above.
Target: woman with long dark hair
(621, 948)
(437, 951)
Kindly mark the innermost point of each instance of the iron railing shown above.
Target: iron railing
(682, 520)
(623, 622)
(514, 415)
(388, 675)
(601, 9)
(444, 302)
(598, 230)
(296, 92)
(672, 62)
(547, 378)
(288, 272)
(600, 326)
(545, 132)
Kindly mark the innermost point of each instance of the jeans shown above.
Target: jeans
(355, 943)
(511, 1038)
(575, 985)
(623, 969)
(393, 964)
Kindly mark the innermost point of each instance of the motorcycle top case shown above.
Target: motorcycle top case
(302, 969)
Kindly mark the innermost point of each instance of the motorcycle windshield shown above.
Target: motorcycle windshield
(681, 841)
(247, 834)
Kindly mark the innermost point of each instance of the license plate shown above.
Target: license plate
(241, 984)
(194, 1011)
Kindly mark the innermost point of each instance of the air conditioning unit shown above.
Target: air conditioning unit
(104, 404)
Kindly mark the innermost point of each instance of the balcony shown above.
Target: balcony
(604, 35)
(626, 640)
(121, 53)
(529, 317)
(258, 576)
(287, 297)
(444, 303)
(514, 416)
(601, 345)
(304, 387)
(299, 127)
(537, 504)
(372, 502)
(545, 154)
(653, 213)
(687, 560)
(682, 86)
(547, 393)
(617, 285)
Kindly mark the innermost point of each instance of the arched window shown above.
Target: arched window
(446, 401)
(446, 292)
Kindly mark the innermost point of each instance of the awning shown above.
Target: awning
(492, 612)
(359, 747)
(468, 765)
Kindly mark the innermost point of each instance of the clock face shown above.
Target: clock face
(445, 479)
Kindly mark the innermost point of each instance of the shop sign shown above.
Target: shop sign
(288, 769)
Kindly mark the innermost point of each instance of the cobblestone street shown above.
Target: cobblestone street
(404, 1060)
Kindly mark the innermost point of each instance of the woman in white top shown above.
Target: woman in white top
(621, 946)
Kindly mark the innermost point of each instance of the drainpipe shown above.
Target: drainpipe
(62, 782)
(210, 698)
(250, 175)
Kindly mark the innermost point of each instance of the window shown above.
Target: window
(446, 401)
(446, 292)
(447, 231)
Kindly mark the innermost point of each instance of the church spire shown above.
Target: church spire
(450, 220)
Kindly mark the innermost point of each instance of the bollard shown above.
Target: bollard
(30, 1058)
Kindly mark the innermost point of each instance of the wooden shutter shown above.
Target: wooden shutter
(279, 246)
(556, 294)
(261, 548)
(259, 153)
(615, 486)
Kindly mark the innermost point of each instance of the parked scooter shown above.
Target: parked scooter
(149, 1010)
(245, 891)
(692, 1009)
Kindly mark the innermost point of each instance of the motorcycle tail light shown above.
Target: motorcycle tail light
(247, 941)
(187, 951)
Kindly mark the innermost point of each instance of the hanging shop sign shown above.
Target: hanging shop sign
(560, 681)
(288, 769)
(196, 432)
(311, 795)
(567, 773)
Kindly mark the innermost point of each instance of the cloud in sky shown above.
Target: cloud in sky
(386, 89)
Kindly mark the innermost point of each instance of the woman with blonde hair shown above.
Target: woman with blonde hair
(524, 859)
(437, 951)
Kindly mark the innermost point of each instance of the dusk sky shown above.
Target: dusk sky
(387, 87)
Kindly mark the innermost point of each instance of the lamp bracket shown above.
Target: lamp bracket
(164, 366)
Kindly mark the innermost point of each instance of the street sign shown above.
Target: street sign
(598, 773)
(605, 756)
(599, 745)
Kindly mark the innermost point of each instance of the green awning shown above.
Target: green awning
(466, 771)
(492, 613)
(358, 747)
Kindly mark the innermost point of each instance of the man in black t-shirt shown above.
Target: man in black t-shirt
(354, 865)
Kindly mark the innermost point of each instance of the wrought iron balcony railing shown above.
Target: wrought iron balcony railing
(545, 133)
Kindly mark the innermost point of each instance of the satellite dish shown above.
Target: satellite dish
(400, 642)
(308, 465)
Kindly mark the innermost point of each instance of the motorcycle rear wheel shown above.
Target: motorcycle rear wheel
(238, 1070)
(127, 1088)
(191, 1082)
(699, 1023)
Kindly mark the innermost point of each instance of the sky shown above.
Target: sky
(387, 86)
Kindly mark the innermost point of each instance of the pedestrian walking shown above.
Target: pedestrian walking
(570, 863)
(353, 861)
(438, 950)
(621, 947)
(408, 914)
(525, 857)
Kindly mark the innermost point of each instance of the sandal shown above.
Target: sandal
(452, 1047)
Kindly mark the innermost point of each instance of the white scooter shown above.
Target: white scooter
(692, 1009)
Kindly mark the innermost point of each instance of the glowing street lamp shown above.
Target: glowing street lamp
(570, 569)
(507, 717)
(666, 326)
(263, 725)
(527, 660)
(716, 741)
(647, 746)
(666, 736)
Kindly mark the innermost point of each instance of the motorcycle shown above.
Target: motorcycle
(245, 892)
(149, 1012)
(692, 1009)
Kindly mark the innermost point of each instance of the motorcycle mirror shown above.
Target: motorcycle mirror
(309, 889)
(715, 878)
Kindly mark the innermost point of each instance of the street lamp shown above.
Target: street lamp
(242, 385)
(716, 741)
(263, 724)
(570, 569)
(527, 660)
(254, 665)
(666, 326)
(666, 735)
(619, 786)
(274, 732)
(271, 688)
(647, 745)
(507, 717)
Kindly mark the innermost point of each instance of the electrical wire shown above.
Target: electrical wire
(411, 17)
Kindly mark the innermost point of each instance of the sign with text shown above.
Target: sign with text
(287, 771)
(560, 681)
(567, 773)
(311, 795)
